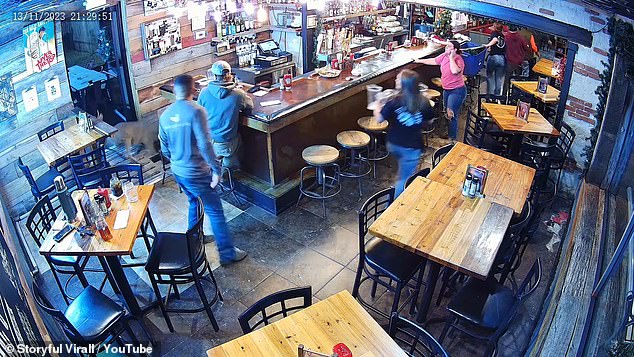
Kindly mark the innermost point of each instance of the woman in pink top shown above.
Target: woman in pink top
(454, 90)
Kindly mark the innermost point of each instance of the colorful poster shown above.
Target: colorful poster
(40, 50)
(8, 101)
(53, 90)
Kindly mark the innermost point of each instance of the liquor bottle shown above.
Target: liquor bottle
(225, 30)
(219, 27)
(233, 26)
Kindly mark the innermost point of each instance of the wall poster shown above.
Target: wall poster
(8, 101)
(161, 37)
(40, 50)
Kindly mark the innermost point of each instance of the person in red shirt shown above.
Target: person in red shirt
(516, 50)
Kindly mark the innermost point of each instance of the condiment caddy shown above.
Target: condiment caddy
(475, 181)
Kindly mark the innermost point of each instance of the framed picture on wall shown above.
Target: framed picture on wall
(40, 49)
(161, 37)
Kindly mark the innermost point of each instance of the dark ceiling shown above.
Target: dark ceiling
(620, 7)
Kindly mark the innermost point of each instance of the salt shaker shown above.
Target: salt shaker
(466, 186)
(474, 189)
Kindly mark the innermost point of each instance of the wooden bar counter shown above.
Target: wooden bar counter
(312, 113)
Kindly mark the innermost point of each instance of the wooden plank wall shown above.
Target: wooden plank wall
(21, 138)
(148, 75)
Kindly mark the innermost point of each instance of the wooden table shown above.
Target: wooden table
(545, 67)
(504, 117)
(550, 97)
(435, 221)
(108, 251)
(72, 140)
(508, 182)
(337, 319)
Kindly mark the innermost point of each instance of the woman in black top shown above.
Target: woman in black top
(496, 65)
(406, 112)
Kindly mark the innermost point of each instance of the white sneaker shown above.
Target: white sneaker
(240, 255)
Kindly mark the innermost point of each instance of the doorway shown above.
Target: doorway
(98, 71)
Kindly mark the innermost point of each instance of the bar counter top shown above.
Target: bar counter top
(310, 89)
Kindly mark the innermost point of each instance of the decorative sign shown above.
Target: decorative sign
(542, 85)
(8, 101)
(29, 98)
(40, 50)
(153, 6)
(523, 110)
(161, 37)
(53, 90)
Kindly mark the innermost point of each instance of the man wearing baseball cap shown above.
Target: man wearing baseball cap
(224, 102)
(185, 140)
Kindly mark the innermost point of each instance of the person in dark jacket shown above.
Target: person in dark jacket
(224, 102)
(406, 113)
(184, 138)
(516, 50)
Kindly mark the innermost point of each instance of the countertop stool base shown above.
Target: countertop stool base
(321, 160)
(356, 145)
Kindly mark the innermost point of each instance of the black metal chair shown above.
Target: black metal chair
(440, 154)
(422, 173)
(479, 134)
(41, 186)
(91, 319)
(486, 98)
(562, 149)
(284, 298)
(483, 310)
(39, 223)
(413, 339)
(538, 156)
(177, 259)
(50, 130)
(86, 167)
(385, 263)
(165, 162)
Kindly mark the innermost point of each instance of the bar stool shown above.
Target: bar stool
(437, 82)
(356, 165)
(320, 158)
(224, 188)
(376, 130)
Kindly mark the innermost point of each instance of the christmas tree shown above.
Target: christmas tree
(443, 25)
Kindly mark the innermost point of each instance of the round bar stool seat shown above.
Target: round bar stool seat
(356, 146)
(320, 155)
(371, 124)
(431, 94)
(322, 160)
(353, 139)
(437, 82)
(376, 130)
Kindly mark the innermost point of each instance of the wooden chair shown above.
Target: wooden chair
(262, 308)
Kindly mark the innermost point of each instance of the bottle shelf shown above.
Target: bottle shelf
(241, 34)
(357, 14)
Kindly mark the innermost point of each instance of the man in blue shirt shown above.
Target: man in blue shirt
(224, 102)
(184, 137)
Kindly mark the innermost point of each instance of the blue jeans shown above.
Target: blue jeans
(195, 187)
(453, 99)
(408, 159)
(496, 69)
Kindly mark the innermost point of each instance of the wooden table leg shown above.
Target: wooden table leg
(432, 278)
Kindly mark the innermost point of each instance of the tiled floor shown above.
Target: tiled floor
(296, 248)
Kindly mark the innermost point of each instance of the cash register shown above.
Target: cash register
(271, 55)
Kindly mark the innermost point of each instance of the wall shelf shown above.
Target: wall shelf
(241, 34)
(357, 14)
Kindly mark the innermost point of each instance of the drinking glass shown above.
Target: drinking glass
(131, 193)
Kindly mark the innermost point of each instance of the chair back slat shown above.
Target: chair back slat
(41, 219)
(86, 167)
(370, 211)
(195, 236)
(413, 339)
(565, 139)
(281, 298)
(26, 171)
(422, 173)
(440, 154)
(50, 130)
(128, 172)
(475, 130)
